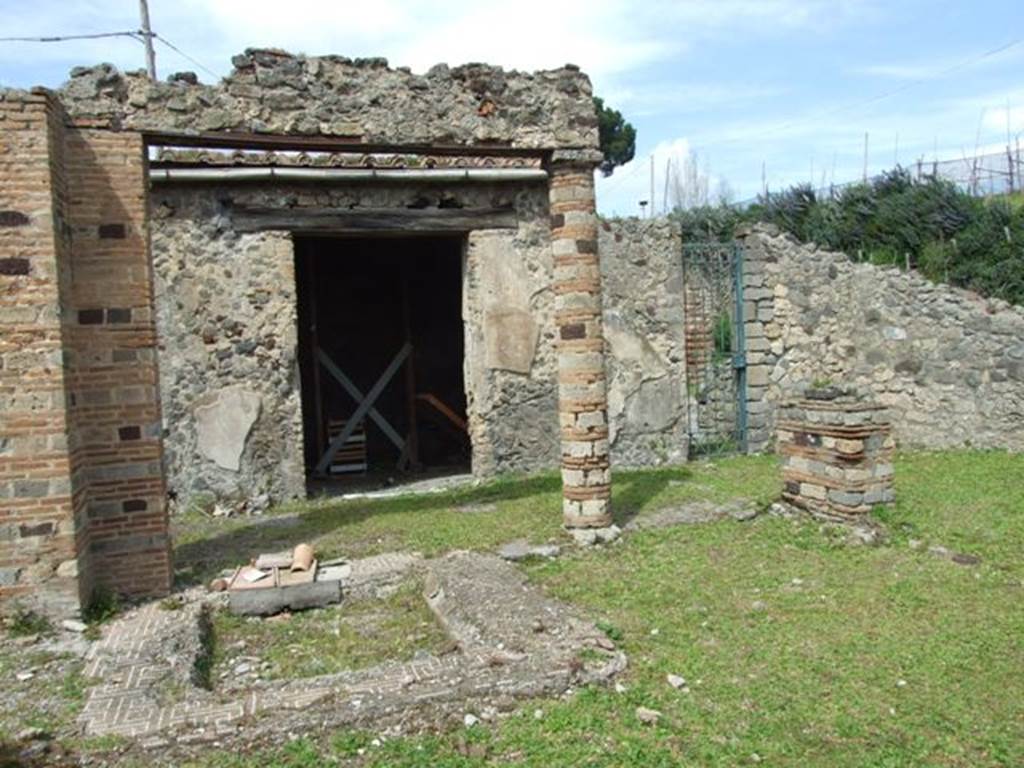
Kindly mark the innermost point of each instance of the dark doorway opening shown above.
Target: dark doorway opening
(380, 320)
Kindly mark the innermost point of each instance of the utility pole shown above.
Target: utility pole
(652, 185)
(668, 174)
(865, 157)
(147, 39)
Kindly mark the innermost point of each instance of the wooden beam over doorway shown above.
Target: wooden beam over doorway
(363, 220)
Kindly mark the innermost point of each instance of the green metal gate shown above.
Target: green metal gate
(716, 368)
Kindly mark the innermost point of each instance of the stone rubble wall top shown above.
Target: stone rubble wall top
(271, 91)
(774, 245)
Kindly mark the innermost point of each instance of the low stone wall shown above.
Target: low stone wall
(642, 285)
(947, 363)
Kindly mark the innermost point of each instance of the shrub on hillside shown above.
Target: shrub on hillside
(930, 224)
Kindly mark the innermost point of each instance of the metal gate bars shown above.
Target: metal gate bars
(715, 344)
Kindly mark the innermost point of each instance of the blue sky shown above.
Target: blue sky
(790, 84)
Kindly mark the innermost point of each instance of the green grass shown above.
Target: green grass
(358, 634)
(24, 622)
(506, 509)
(798, 650)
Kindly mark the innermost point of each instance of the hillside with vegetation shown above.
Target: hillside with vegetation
(930, 225)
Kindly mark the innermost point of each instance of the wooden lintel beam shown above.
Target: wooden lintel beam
(242, 140)
(333, 220)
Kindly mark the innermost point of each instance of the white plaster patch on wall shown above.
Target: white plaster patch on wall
(510, 339)
(223, 425)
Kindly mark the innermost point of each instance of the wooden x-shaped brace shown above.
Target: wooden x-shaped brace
(365, 406)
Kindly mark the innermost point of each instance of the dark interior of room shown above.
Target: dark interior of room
(360, 300)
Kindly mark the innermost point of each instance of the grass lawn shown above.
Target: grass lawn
(480, 517)
(798, 649)
(358, 634)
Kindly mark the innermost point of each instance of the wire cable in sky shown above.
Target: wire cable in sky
(873, 99)
(184, 55)
(62, 38)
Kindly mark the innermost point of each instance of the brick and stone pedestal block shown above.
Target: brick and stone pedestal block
(583, 403)
(836, 453)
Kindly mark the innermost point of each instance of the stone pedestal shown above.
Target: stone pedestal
(836, 453)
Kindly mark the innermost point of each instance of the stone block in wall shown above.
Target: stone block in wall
(510, 338)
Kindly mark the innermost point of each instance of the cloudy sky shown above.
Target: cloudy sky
(788, 86)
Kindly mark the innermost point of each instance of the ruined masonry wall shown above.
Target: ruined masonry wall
(225, 305)
(273, 91)
(642, 289)
(511, 363)
(226, 318)
(948, 364)
(226, 321)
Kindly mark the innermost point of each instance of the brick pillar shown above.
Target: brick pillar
(582, 395)
(115, 399)
(42, 497)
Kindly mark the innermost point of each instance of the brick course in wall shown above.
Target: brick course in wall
(836, 455)
(82, 498)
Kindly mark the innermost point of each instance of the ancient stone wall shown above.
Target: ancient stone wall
(226, 321)
(273, 91)
(642, 285)
(948, 364)
(226, 317)
(510, 359)
(82, 475)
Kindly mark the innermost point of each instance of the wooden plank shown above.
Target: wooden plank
(318, 403)
(412, 453)
(438, 405)
(333, 220)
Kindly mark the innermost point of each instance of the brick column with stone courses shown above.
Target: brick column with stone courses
(41, 499)
(836, 455)
(583, 405)
(113, 367)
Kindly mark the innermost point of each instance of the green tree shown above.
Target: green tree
(618, 137)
